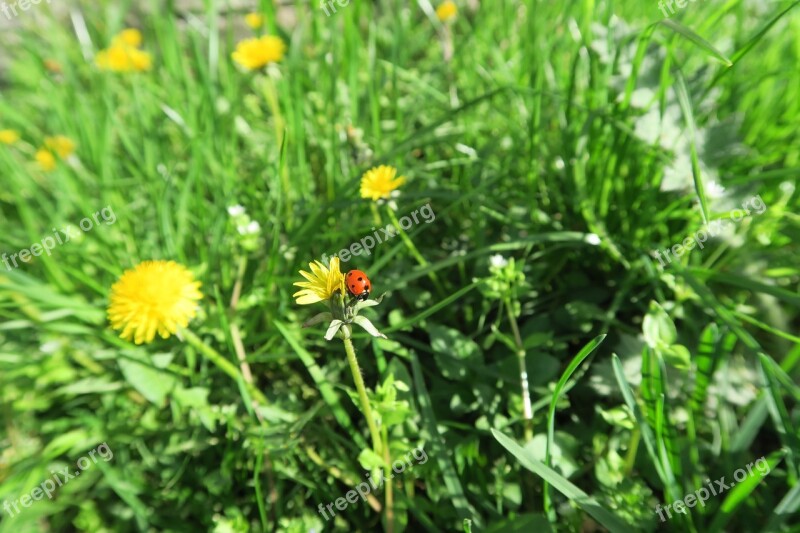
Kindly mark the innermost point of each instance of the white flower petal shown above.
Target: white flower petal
(368, 327)
(333, 328)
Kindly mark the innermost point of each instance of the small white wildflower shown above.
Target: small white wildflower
(498, 261)
(250, 228)
(715, 190)
(592, 239)
(236, 210)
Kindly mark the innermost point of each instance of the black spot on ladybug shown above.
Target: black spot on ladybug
(360, 279)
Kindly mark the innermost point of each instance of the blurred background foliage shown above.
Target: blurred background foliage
(558, 144)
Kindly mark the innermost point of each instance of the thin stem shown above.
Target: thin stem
(412, 247)
(633, 447)
(236, 336)
(527, 411)
(362, 394)
(376, 215)
(387, 459)
(341, 476)
(223, 364)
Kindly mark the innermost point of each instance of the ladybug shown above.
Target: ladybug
(358, 284)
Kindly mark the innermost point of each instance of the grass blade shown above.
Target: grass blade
(605, 517)
(696, 39)
(551, 423)
(688, 114)
(325, 387)
(439, 448)
(740, 494)
(786, 507)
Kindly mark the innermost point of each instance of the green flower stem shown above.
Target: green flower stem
(223, 364)
(387, 458)
(633, 447)
(523, 373)
(362, 394)
(376, 215)
(411, 247)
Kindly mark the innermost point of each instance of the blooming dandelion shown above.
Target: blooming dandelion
(123, 59)
(255, 53)
(321, 283)
(45, 159)
(129, 37)
(154, 297)
(254, 20)
(124, 54)
(379, 182)
(60, 144)
(327, 284)
(9, 136)
(447, 10)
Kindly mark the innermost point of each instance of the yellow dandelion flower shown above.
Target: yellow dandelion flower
(60, 144)
(446, 10)
(321, 283)
(379, 182)
(155, 296)
(129, 37)
(140, 61)
(255, 53)
(120, 58)
(9, 136)
(254, 20)
(46, 159)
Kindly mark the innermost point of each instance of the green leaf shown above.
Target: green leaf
(696, 39)
(740, 493)
(369, 460)
(688, 114)
(324, 386)
(644, 427)
(150, 381)
(193, 397)
(706, 360)
(603, 516)
(678, 356)
(524, 523)
(787, 507)
(551, 413)
(658, 327)
(780, 415)
(453, 352)
(439, 448)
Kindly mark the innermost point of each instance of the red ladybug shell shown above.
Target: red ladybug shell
(358, 284)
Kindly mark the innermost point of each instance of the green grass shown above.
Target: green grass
(576, 138)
